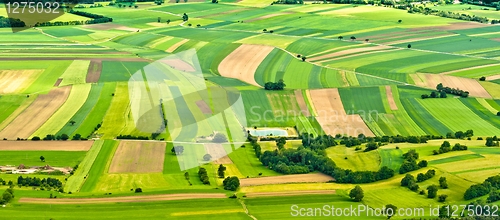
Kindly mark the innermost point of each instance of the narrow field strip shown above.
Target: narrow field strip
(76, 73)
(150, 198)
(45, 145)
(36, 114)
(295, 178)
(76, 99)
(78, 178)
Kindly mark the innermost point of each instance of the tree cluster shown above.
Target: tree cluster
(432, 191)
(219, 138)
(289, 2)
(421, 177)
(446, 147)
(177, 150)
(280, 85)
(410, 162)
(320, 142)
(231, 183)
(443, 183)
(478, 190)
(35, 181)
(11, 22)
(410, 182)
(492, 141)
(202, 173)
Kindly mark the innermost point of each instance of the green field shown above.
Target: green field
(361, 50)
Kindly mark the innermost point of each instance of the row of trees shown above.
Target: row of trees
(202, 173)
(280, 85)
(11, 22)
(446, 147)
(478, 190)
(35, 181)
(445, 14)
(410, 182)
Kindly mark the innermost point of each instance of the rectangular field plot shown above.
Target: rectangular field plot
(12, 81)
(138, 157)
(32, 158)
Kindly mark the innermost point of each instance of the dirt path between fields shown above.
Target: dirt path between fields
(243, 62)
(36, 114)
(390, 98)
(45, 145)
(148, 198)
(290, 193)
(295, 178)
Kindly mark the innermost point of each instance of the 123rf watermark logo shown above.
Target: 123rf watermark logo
(361, 210)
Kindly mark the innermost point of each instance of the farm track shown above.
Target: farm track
(290, 193)
(295, 178)
(149, 198)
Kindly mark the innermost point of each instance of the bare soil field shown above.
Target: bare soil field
(431, 80)
(203, 107)
(36, 114)
(179, 65)
(332, 116)
(218, 153)
(390, 98)
(295, 178)
(138, 157)
(94, 71)
(302, 103)
(176, 45)
(349, 51)
(290, 193)
(148, 198)
(12, 81)
(45, 145)
(243, 62)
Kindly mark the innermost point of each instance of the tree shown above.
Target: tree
(159, 19)
(390, 210)
(399, 21)
(7, 196)
(72, 122)
(440, 86)
(219, 138)
(207, 157)
(340, 37)
(185, 17)
(442, 94)
(432, 191)
(442, 198)
(221, 170)
(353, 38)
(407, 179)
(138, 190)
(482, 78)
(231, 183)
(434, 94)
(42, 158)
(421, 177)
(168, 21)
(409, 46)
(177, 150)
(357, 193)
(498, 113)
(422, 163)
(76, 137)
(366, 40)
(304, 58)
(442, 182)
(64, 137)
